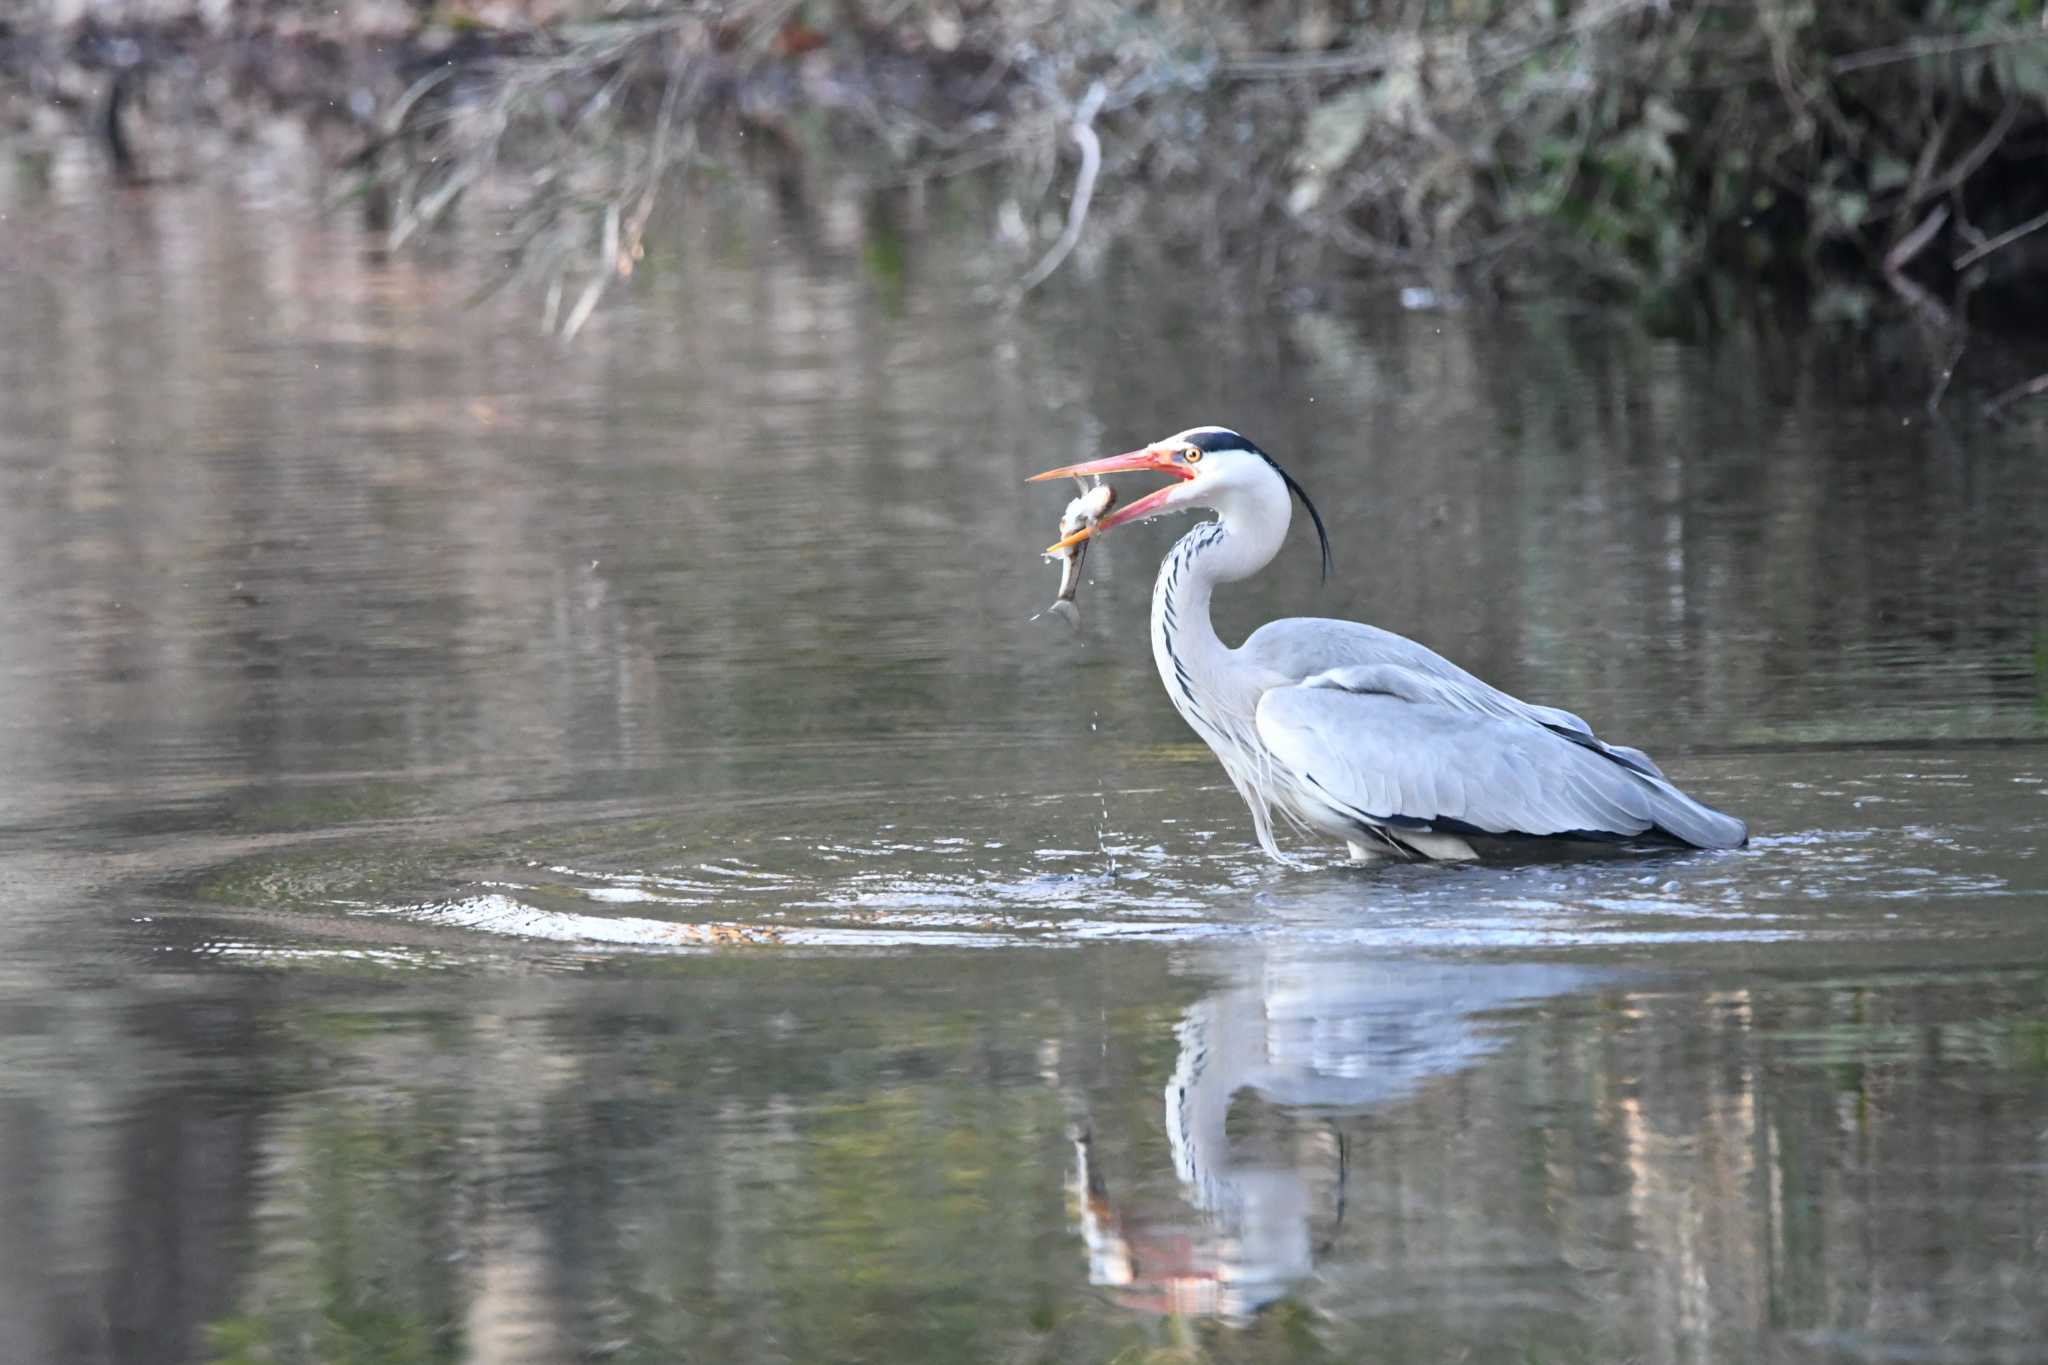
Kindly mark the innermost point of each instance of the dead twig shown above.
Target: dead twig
(2001, 241)
(391, 126)
(1967, 166)
(1932, 47)
(1355, 241)
(1946, 374)
(1083, 132)
(2033, 388)
(1937, 324)
(673, 96)
(1915, 241)
(1293, 65)
(1945, 338)
(600, 279)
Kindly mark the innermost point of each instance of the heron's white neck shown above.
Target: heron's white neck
(1199, 670)
(1214, 690)
(1251, 522)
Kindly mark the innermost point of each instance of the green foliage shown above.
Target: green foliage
(362, 1286)
(1645, 144)
(1627, 146)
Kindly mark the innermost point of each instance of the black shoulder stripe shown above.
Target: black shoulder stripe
(1601, 748)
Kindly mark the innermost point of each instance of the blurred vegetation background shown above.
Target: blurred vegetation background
(1842, 157)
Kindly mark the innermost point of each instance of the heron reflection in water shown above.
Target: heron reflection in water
(1322, 1039)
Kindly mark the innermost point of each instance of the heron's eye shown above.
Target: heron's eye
(1191, 455)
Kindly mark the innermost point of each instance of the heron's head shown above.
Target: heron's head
(1210, 467)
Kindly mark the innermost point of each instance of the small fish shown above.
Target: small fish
(1090, 507)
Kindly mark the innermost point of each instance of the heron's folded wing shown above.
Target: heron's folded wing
(1304, 647)
(1458, 690)
(1404, 753)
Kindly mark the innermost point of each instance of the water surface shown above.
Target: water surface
(526, 854)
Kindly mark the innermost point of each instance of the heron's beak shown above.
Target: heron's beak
(1158, 458)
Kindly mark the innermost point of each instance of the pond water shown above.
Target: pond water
(522, 853)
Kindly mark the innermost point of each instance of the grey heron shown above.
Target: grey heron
(1354, 732)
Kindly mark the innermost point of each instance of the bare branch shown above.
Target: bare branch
(1915, 241)
(1955, 175)
(1933, 47)
(2000, 242)
(1083, 131)
(2033, 388)
(601, 277)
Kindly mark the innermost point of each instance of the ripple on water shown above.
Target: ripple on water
(1809, 885)
(954, 891)
(259, 952)
(1955, 870)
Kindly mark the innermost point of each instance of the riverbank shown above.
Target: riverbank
(1846, 161)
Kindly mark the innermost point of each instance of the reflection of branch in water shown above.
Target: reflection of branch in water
(1946, 338)
(126, 168)
(1343, 1198)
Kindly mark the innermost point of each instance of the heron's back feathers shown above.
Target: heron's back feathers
(1430, 747)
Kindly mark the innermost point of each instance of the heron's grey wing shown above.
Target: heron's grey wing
(1305, 647)
(1398, 757)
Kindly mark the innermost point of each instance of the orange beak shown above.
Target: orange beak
(1162, 459)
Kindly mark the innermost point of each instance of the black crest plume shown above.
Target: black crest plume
(1222, 438)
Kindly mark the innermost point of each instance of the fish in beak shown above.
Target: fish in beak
(1081, 515)
(1159, 459)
